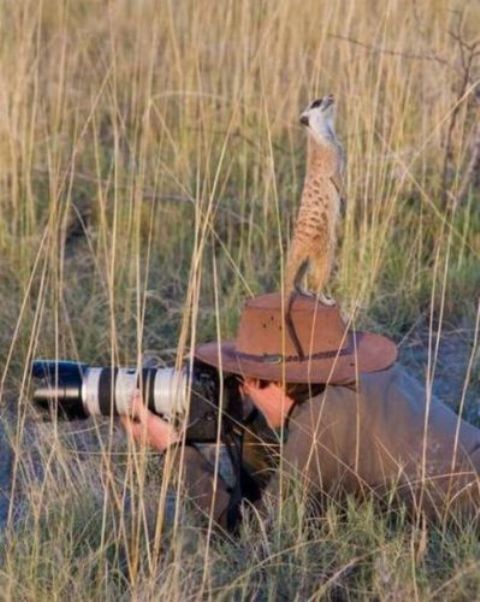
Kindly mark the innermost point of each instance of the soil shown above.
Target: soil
(450, 375)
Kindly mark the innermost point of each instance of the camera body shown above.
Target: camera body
(205, 401)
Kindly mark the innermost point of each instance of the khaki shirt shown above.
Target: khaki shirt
(383, 436)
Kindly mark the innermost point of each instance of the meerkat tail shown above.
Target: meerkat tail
(300, 276)
(297, 267)
(291, 327)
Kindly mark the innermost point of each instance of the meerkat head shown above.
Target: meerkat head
(319, 119)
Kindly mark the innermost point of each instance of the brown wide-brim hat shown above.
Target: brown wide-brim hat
(297, 340)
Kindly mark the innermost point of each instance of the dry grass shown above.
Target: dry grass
(150, 169)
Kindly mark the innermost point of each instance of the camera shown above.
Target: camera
(207, 402)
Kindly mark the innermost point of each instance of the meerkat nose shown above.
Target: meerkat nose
(304, 120)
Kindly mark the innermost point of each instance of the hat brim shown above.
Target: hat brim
(370, 353)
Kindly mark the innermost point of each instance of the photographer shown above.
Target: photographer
(346, 421)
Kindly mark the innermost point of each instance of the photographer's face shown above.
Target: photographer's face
(268, 397)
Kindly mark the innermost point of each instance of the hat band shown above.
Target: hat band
(278, 358)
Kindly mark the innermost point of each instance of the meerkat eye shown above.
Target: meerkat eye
(316, 103)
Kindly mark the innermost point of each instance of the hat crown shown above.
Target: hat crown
(297, 340)
(273, 325)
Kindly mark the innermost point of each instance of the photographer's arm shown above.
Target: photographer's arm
(148, 428)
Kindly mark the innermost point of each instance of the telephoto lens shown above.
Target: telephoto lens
(195, 393)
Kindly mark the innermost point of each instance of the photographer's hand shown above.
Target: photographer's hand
(271, 400)
(148, 428)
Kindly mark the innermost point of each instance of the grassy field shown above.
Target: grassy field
(151, 165)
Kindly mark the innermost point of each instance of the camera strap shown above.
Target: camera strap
(234, 448)
(246, 487)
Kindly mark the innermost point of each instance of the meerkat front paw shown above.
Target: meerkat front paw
(325, 300)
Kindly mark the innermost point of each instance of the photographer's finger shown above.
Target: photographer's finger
(134, 429)
(138, 409)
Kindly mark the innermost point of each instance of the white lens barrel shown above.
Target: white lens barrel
(126, 383)
(90, 384)
(170, 392)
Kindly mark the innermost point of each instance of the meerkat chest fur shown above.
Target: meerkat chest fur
(320, 203)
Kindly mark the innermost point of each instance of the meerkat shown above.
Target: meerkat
(314, 239)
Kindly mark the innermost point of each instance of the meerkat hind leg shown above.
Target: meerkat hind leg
(321, 273)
